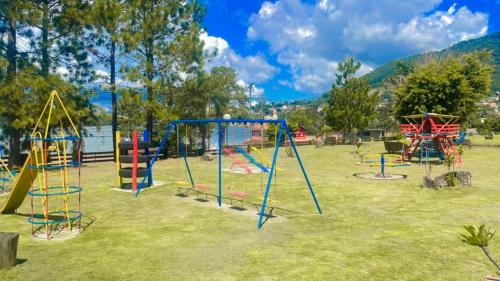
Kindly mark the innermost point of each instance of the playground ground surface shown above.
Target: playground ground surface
(370, 230)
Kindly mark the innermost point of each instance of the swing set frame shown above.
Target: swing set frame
(283, 127)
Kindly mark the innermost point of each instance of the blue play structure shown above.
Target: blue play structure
(251, 159)
(283, 129)
(428, 150)
(461, 139)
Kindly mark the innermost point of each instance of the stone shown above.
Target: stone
(464, 177)
(428, 182)
(207, 157)
(440, 181)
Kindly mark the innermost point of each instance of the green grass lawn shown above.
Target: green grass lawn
(480, 140)
(370, 230)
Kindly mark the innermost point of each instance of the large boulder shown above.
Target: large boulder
(463, 178)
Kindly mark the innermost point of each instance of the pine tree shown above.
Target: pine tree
(152, 31)
(108, 17)
(60, 43)
(351, 105)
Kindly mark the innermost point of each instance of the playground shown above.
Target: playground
(368, 230)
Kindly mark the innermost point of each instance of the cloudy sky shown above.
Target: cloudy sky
(290, 48)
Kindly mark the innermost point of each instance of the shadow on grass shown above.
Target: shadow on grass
(21, 261)
(257, 206)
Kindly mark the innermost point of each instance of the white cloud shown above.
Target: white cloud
(312, 38)
(251, 69)
(61, 70)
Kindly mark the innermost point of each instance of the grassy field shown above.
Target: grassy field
(370, 230)
(480, 140)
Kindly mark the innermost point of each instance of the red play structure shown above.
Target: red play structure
(431, 135)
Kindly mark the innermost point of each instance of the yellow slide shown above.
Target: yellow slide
(264, 158)
(20, 188)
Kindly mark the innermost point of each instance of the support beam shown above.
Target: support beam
(162, 144)
(219, 132)
(302, 168)
(270, 178)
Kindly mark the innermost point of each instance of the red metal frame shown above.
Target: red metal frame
(135, 138)
(429, 126)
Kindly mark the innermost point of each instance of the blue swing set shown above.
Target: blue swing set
(283, 127)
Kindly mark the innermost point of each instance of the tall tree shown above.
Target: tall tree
(108, 19)
(451, 85)
(60, 41)
(346, 71)
(152, 30)
(25, 89)
(351, 105)
(11, 17)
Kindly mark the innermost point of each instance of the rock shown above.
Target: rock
(207, 157)
(428, 182)
(440, 181)
(464, 177)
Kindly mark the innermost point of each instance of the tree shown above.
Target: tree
(209, 94)
(61, 43)
(132, 111)
(25, 87)
(346, 71)
(108, 17)
(298, 118)
(224, 93)
(351, 105)
(452, 85)
(156, 35)
(10, 17)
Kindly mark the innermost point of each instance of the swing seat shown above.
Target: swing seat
(240, 194)
(201, 186)
(182, 183)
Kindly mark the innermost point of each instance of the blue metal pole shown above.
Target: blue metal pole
(382, 164)
(184, 155)
(270, 178)
(302, 168)
(148, 160)
(219, 132)
(162, 144)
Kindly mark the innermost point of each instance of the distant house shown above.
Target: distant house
(300, 134)
(375, 134)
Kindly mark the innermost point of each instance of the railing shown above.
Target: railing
(444, 129)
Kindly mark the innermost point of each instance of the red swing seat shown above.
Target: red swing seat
(201, 186)
(240, 194)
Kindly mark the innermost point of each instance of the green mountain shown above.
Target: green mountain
(488, 42)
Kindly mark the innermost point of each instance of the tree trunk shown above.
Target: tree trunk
(15, 147)
(45, 39)
(114, 110)
(8, 249)
(150, 76)
(14, 134)
(490, 256)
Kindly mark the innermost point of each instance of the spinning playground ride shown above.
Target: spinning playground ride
(431, 135)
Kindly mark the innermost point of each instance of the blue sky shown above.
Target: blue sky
(290, 48)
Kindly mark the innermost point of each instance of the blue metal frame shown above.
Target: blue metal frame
(220, 122)
(219, 131)
(270, 178)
